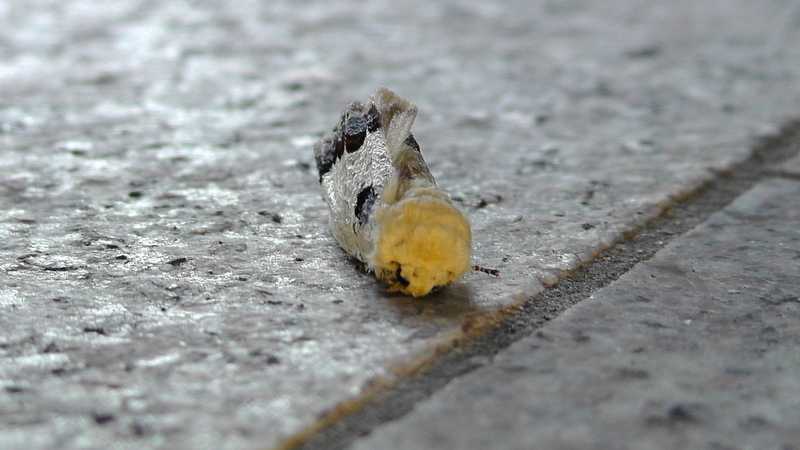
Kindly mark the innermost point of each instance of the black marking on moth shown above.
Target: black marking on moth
(402, 281)
(355, 130)
(348, 135)
(411, 142)
(326, 153)
(394, 276)
(364, 203)
(373, 119)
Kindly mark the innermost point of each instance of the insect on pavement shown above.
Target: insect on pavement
(386, 209)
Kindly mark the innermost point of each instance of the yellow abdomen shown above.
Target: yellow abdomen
(423, 242)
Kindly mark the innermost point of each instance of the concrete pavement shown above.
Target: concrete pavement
(167, 279)
(791, 167)
(695, 348)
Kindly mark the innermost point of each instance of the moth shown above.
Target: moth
(386, 209)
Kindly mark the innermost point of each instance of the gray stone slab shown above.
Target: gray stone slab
(696, 348)
(792, 166)
(168, 279)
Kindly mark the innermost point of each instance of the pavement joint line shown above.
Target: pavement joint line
(785, 175)
(483, 336)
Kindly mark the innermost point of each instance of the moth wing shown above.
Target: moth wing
(397, 117)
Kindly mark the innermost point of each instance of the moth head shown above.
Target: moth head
(396, 117)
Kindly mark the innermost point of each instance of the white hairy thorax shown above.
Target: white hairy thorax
(386, 209)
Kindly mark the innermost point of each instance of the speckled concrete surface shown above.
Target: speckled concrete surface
(168, 279)
(791, 167)
(696, 348)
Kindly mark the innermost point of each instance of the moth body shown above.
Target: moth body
(386, 209)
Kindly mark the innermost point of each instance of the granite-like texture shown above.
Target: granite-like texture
(166, 274)
(791, 166)
(695, 348)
